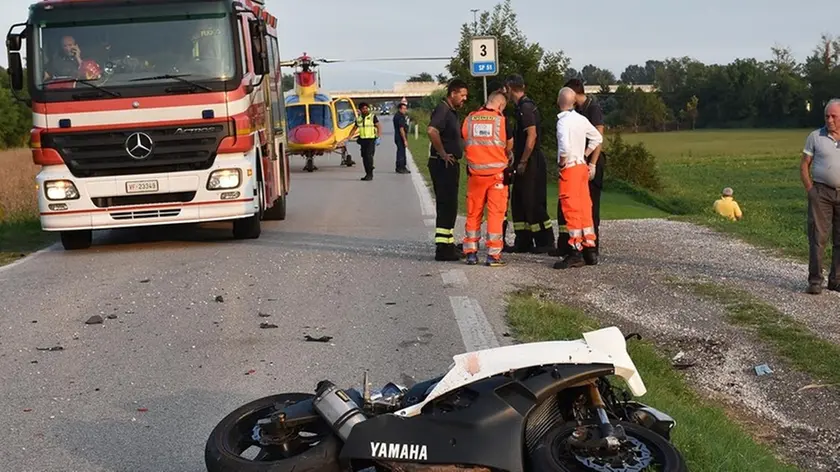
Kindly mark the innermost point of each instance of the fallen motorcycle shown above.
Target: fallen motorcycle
(541, 407)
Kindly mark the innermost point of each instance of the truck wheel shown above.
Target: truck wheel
(72, 240)
(278, 210)
(247, 228)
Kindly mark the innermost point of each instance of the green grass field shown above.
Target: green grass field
(708, 440)
(762, 166)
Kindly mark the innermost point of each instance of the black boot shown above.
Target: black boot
(573, 260)
(524, 241)
(446, 252)
(590, 255)
(563, 247)
(543, 241)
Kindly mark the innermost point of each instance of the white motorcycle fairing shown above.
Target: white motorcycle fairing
(603, 346)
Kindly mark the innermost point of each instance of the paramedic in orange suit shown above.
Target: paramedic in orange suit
(486, 150)
(576, 140)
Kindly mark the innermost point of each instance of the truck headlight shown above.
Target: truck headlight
(224, 179)
(60, 190)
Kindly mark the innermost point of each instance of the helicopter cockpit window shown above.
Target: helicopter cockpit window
(116, 54)
(321, 115)
(344, 113)
(295, 116)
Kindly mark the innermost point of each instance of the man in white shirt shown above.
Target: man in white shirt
(573, 131)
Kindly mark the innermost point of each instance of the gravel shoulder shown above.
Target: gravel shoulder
(637, 286)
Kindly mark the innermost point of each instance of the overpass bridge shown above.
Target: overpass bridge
(414, 90)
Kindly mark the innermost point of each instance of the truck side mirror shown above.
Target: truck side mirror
(259, 48)
(13, 42)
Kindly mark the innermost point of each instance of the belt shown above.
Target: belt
(826, 185)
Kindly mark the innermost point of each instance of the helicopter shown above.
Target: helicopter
(316, 122)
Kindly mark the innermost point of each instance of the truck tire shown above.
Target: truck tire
(278, 210)
(247, 228)
(73, 240)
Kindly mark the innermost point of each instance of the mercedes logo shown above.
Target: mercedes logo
(139, 145)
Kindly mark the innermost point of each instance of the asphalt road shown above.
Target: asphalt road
(141, 391)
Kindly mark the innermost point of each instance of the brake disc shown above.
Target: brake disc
(631, 449)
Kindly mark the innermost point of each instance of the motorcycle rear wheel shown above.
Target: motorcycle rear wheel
(550, 452)
(232, 436)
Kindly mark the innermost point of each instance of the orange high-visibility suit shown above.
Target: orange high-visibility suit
(574, 131)
(485, 142)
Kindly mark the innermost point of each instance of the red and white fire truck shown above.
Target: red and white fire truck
(153, 112)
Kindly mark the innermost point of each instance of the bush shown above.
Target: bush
(632, 163)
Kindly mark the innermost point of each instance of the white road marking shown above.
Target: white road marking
(454, 278)
(476, 331)
(427, 205)
(472, 322)
(29, 257)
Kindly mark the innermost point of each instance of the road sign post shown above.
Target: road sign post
(484, 58)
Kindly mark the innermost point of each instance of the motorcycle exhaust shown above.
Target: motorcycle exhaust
(337, 408)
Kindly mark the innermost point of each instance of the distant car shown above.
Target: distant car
(384, 111)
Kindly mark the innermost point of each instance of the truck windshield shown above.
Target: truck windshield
(119, 52)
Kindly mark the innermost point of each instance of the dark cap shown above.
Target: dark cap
(515, 79)
(495, 84)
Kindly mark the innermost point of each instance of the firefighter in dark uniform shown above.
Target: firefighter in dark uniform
(593, 112)
(531, 223)
(446, 148)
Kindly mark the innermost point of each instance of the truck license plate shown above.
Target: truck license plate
(142, 186)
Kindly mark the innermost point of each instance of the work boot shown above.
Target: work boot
(494, 261)
(590, 255)
(367, 177)
(472, 258)
(814, 289)
(563, 248)
(446, 252)
(833, 286)
(573, 260)
(523, 242)
(543, 241)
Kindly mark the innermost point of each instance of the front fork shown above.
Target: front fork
(607, 429)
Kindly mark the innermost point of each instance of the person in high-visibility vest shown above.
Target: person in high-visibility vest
(369, 132)
(485, 147)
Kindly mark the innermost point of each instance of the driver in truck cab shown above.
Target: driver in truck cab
(67, 62)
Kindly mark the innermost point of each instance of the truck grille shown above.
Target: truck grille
(106, 153)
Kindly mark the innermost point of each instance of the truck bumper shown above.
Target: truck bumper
(182, 197)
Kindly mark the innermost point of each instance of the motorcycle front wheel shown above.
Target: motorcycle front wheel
(644, 450)
(307, 448)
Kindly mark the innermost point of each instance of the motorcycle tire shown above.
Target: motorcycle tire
(545, 457)
(222, 456)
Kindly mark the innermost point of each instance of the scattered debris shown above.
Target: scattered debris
(267, 325)
(95, 319)
(252, 371)
(813, 386)
(506, 334)
(27, 410)
(54, 348)
(390, 303)
(34, 321)
(263, 315)
(220, 299)
(111, 316)
(145, 281)
(763, 369)
(321, 339)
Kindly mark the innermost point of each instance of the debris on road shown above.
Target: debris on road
(111, 316)
(220, 299)
(813, 386)
(54, 348)
(263, 315)
(320, 339)
(763, 369)
(95, 319)
(267, 326)
(145, 281)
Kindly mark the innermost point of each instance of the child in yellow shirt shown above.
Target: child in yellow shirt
(727, 207)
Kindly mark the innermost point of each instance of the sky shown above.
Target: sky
(712, 31)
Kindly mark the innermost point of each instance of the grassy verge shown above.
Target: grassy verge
(705, 436)
(614, 204)
(20, 230)
(760, 165)
(789, 339)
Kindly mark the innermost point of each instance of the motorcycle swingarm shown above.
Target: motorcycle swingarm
(482, 424)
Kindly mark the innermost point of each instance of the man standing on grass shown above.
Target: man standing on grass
(822, 184)
(577, 139)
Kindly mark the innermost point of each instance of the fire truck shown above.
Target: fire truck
(152, 112)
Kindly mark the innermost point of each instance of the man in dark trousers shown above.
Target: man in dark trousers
(369, 132)
(531, 223)
(591, 110)
(401, 138)
(446, 148)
